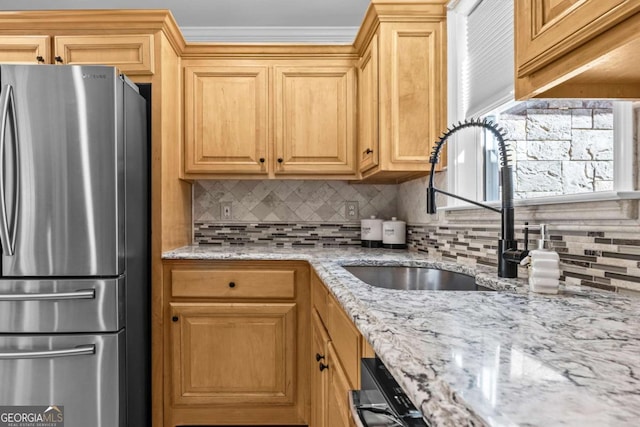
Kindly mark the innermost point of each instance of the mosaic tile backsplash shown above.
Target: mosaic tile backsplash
(294, 201)
(281, 235)
(599, 259)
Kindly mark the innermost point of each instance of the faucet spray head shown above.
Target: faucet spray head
(431, 200)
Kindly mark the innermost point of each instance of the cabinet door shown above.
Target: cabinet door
(226, 120)
(338, 414)
(315, 120)
(368, 150)
(25, 49)
(547, 29)
(233, 353)
(132, 54)
(413, 93)
(319, 374)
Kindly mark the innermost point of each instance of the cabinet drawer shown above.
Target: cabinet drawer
(345, 338)
(232, 283)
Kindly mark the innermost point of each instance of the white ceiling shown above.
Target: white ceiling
(225, 13)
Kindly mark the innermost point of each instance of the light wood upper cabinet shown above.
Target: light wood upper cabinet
(402, 99)
(368, 142)
(25, 49)
(233, 353)
(280, 119)
(577, 48)
(315, 120)
(130, 53)
(226, 116)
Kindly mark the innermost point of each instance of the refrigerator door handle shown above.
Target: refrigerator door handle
(81, 350)
(83, 294)
(7, 104)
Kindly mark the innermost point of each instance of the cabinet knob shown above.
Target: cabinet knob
(59, 59)
(261, 159)
(368, 151)
(319, 357)
(232, 284)
(323, 367)
(174, 318)
(40, 59)
(280, 160)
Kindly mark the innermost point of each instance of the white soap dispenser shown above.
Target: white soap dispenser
(544, 267)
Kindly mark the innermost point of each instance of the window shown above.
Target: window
(560, 148)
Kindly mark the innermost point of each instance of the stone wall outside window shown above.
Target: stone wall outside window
(560, 146)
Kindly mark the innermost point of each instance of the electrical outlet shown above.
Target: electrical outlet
(225, 210)
(351, 210)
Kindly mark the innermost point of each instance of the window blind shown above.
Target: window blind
(489, 68)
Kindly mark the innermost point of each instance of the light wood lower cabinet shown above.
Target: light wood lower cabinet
(338, 414)
(233, 353)
(238, 339)
(336, 350)
(245, 347)
(319, 376)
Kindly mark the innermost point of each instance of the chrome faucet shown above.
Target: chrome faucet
(508, 254)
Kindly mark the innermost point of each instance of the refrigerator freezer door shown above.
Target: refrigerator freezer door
(70, 171)
(78, 374)
(57, 306)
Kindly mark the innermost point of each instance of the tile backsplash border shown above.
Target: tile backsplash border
(607, 260)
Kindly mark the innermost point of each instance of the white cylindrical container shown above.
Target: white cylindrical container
(394, 234)
(371, 232)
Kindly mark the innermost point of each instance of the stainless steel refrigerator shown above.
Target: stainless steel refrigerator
(74, 230)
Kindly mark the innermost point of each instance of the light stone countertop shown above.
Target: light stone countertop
(506, 358)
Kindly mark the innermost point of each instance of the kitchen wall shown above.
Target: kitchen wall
(286, 213)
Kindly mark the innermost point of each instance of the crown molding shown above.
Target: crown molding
(325, 35)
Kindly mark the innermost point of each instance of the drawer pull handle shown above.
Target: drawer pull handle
(319, 357)
(80, 350)
(53, 296)
(59, 59)
(232, 284)
(323, 367)
(280, 160)
(261, 159)
(40, 59)
(174, 318)
(368, 151)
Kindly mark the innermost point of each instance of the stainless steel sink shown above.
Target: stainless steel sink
(414, 278)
